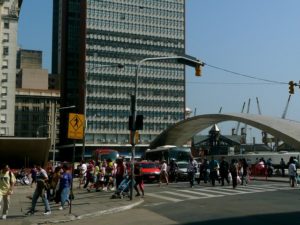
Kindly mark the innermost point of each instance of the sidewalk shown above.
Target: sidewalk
(85, 204)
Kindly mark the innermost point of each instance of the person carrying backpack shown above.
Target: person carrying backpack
(7, 182)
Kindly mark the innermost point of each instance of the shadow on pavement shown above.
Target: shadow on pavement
(266, 219)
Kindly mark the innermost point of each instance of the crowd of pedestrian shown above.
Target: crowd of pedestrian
(55, 183)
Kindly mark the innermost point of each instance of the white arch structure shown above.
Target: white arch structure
(179, 133)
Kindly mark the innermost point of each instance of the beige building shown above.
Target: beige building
(35, 102)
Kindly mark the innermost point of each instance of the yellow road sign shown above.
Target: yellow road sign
(76, 126)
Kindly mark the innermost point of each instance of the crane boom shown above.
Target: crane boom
(220, 110)
(258, 106)
(238, 124)
(248, 110)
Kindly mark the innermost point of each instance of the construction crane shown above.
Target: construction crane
(220, 110)
(258, 106)
(286, 108)
(238, 124)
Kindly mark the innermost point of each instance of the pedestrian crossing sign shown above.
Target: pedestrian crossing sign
(76, 126)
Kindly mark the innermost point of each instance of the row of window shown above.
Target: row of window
(96, 113)
(173, 4)
(135, 39)
(134, 28)
(125, 50)
(158, 69)
(161, 8)
(136, 19)
(107, 125)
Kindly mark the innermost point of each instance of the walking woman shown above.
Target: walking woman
(138, 175)
(7, 181)
(65, 183)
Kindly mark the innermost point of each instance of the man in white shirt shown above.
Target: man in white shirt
(192, 170)
(292, 172)
(40, 191)
(163, 172)
(83, 169)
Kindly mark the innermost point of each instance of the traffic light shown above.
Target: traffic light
(291, 87)
(198, 70)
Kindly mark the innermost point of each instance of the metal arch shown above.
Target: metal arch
(179, 133)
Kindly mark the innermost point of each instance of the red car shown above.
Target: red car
(150, 170)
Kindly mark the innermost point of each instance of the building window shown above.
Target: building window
(4, 77)
(3, 104)
(5, 50)
(6, 25)
(2, 131)
(5, 64)
(4, 91)
(3, 118)
(25, 108)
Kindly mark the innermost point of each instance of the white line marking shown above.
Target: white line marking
(164, 197)
(201, 193)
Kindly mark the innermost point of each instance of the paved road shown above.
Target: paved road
(260, 203)
(158, 201)
(182, 192)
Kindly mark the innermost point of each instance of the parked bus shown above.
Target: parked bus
(252, 157)
(104, 154)
(168, 152)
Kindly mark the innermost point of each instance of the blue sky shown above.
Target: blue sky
(259, 38)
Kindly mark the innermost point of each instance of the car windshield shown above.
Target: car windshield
(182, 165)
(148, 165)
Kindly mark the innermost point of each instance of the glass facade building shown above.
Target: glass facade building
(90, 37)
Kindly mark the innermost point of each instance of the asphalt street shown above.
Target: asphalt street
(259, 203)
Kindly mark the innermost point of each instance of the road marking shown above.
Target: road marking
(164, 197)
(201, 193)
(182, 195)
(217, 191)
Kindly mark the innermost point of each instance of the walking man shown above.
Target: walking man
(7, 181)
(224, 171)
(192, 170)
(40, 191)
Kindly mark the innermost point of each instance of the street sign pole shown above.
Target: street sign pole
(75, 132)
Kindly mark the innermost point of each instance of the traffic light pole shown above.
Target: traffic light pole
(185, 59)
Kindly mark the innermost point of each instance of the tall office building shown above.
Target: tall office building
(88, 35)
(9, 15)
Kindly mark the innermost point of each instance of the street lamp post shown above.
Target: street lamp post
(37, 130)
(185, 59)
(54, 128)
(120, 66)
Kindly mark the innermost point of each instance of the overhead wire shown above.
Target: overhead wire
(245, 75)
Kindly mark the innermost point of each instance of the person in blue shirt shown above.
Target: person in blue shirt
(65, 184)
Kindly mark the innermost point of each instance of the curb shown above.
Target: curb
(94, 214)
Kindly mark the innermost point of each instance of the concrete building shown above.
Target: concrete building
(9, 11)
(35, 105)
(90, 35)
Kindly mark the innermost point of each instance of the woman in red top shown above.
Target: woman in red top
(120, 172)
(138, 175)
